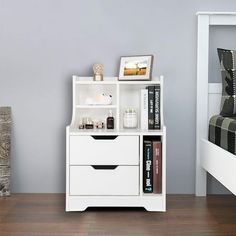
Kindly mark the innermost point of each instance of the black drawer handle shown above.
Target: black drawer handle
(104, 167)
(104, 137)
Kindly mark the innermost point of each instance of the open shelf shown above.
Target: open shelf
(92, 91)
(125, 94)
(155, 164)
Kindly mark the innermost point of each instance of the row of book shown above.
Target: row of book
(150, 112)
(152, 166)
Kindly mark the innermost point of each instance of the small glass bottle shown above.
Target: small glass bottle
(110, 120)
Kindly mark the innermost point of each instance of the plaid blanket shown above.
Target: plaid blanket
(222, 132)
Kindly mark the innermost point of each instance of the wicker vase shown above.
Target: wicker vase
(5, 146)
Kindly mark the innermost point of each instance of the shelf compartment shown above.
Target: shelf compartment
(130, 98)
(84, 91)
(94, 114)
(160, 179)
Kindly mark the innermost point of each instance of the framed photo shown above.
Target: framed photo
(136, 67)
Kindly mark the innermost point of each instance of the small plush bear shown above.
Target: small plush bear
(100, 99)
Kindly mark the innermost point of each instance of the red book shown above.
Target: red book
(157, 167)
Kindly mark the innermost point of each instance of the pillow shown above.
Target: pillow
(227, 65)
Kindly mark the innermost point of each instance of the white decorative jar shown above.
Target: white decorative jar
(130, 119)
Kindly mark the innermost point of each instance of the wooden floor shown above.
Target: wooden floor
(43, 214)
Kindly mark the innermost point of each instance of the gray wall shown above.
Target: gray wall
(42, 43)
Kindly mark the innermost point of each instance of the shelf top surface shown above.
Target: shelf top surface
(95, 106)
(74, 131)
(215, 13)
(114, 80)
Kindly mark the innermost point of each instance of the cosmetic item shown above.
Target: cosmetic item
(88, 123)
(99, 124)
(89, 126)
(130, 119)
(110, 120)
(81, 123)
(81, 126)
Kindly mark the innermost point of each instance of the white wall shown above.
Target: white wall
(42, 43)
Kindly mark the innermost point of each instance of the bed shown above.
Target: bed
(214, 157)
(222, 132)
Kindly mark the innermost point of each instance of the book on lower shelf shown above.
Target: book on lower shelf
(157, 164)
(152, 166)
(150, 108)
(148, 169)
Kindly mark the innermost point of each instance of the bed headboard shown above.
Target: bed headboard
(214, 97)
(208, 94)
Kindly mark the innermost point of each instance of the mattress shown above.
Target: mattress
(222, 132)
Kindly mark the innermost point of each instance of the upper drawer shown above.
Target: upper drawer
(104, 150)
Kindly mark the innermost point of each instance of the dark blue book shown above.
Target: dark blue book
(147, 167)
(157, 107)
(150, 107)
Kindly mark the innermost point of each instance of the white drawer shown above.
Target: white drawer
(104, 150)
(85, 180)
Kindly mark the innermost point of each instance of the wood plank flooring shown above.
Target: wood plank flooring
(43, 214)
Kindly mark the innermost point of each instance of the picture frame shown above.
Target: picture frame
(136, 67)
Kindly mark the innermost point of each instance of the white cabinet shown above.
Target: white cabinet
(104, 168)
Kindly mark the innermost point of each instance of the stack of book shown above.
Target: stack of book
(152, 166)
(150, 111)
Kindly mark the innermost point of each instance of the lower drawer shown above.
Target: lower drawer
(112, 180)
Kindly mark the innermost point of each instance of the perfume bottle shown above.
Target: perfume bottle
(110, 120)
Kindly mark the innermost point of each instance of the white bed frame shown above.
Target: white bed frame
(209, 157)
